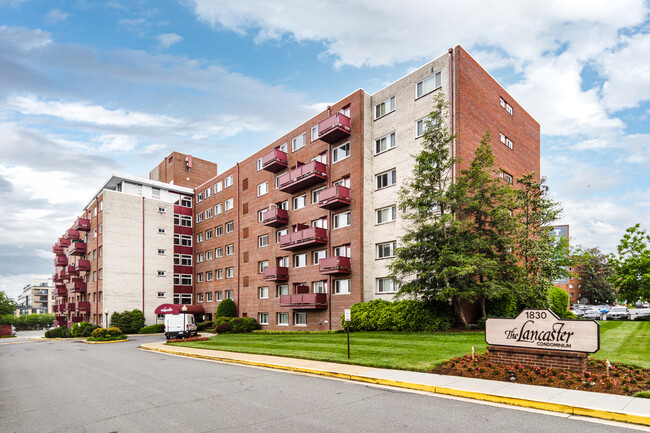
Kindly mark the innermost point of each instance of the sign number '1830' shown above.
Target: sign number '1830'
(536, 314)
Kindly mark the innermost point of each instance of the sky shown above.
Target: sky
(90, 88)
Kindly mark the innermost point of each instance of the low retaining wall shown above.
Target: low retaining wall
(5, 329)
(562, 360)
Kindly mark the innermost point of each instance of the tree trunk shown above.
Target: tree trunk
(459, 312)
(483, 312)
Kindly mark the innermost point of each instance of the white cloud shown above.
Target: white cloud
(55, 16)
(13, 285)
(166, 40)
(112, 143)
(25, 39)
(154, 149)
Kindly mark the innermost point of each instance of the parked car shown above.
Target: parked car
(618, 313)
(604, 308)
(593, 313)
(643, 312)
(646, 305)
(179, 326)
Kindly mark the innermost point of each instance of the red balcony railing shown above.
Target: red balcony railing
(83, 306)
(57, 249)
(72, 306)
(76, 285)
(334, 128)
(82, 265)
(334, 197)
(63, 242)
(72, 271)
(55, 308)
(56, 278)
(275, 161)
(60, 260)
(276, 273)
(309, 237)
(303, 177)
(77, 249)
(82, 224)
(276, 217)
(72, 234)
(76, 319)
(335, 265)
(60, 321)
(304, 301)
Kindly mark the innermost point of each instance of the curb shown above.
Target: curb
(104, 342)
(532, 404)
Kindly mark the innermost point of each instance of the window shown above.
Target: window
(218, 187)
(199, 297)
(263, 241)
(100, 249)
(208, 296)
(207, 193)
(100, 206)
(162, 231)
(199, 217)
(208, 234)
(161, 294)
(342, 250)
(280, 233)
(186, 280)
(262, 265)
(386, 214)
(428, 85)
(162, 209)
(199, 258)
(345, 181)
(283, 205)
(283, 262)
(263, 292)
(230, 294)
(228, 204)
(161, 252)
(219, 276)
(283, 319)
(315, 194)
(218, 230)
(340, 152)
(385, 143)
(95, 208)
(259, 164)
(506, 176)
(386, 285)
(385, 107)
(505, 105)
(342, 220)
(218, 209)
(283, 147)
(199, 197)
(299, 202)
(183, 240)
(386, 250)
(505, 140)
(199, 238)
(300, 319)
(420, 127)
(342, 287)
(208, 276)
(318, 255)
(218, 295)
(199, 277)
(263, 318)
(94, 233)
(186, 201)
(298, 142)
(208, 255)
(186, 221)
(230, 272)
(208, 213)
(218, 252)
(230, 249)
(227, 182)
(230, 227)
(262, 189)
(321, 158)
(320, 286)
(321, 223)
(260, 214)
(387, 179)
(314, 133)
(299, 260)
(281, 289)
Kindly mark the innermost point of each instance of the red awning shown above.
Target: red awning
(178, 309)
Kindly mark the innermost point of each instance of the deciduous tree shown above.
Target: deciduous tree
(632, 265)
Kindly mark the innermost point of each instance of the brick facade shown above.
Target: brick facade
(561, 360)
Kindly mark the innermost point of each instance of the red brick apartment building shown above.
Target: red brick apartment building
(304, 227)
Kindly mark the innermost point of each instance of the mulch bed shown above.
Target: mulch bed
(623, 379)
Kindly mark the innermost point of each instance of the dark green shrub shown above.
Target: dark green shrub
(224, 328)
(642, 318)
(60, 332)
(204, 325)
(502, 306)
(226, 308)
(244, 325)
(407, 315)
(569, 315)
(153, 329)
(99, 333)
(110, 334)
(224, 319)
(559, 301)
(130, 322)
(83, 329)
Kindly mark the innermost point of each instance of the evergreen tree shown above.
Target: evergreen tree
(595, 271)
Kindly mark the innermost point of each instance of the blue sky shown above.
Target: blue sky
(89, 88)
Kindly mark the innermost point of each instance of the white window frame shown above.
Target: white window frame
(382, 282)
(381, 249)
(230, 249)
(388, 107)
(341, 220)
(317, 256)
(314, 133)
(342, 287)
(218, 252)
(303, 319)
(421, 90)
(262, 189)
(299, 142)
(281, 289)
(261, 265)
(217, 187)
(228, 204)
(390, 143)
(263, 318)
(282, 319)
(304, 199)
(230, 272)
(218, 209)
(263, 292)
(230, 227)
(346, 153)
(300, 260)
(263, 241)
(390, 176)
(391, 214)
(227, 182)
(259, 164)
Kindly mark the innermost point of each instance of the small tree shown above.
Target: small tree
(7, 305)
(595, 272)
(559, 301)
(130, 322)
(632, 265)
(226, 308)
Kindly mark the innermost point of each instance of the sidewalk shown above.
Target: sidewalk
(598, 405)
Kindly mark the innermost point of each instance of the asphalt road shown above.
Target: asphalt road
(69, 386)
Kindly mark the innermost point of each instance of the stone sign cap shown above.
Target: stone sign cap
(542, 329)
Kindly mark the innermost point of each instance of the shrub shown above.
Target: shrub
(130, 322)
(224, 319)
(570, 315)
(407, 315)
(153, 329)
(110, 334)
(83, 329)
(224, 328)
(244, 324)
(60, 332)
(502, 306)
(226, 308)
(559, 301)
(205, 325)
(642, 318)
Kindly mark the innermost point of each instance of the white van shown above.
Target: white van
(179, 326)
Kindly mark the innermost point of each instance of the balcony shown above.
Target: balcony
(63, 308)
(304, 301)
(63, 242)
(55, 308)
(72, 234)
(82, 265)
(60, 321)
(56, 278)
(57, 249)
(82, 224)
(76, 285)
(334, 128)
(334, 197)
(83, 306)
(60, 260)
(335, 265)
(278, 273)
(76, 319)
(305, 238)
(275, 161)
(72, 306)
(182, 210)
(303, 177)
(276, 217)
(72, 271)
(77, 249)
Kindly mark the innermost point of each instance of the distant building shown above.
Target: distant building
(570, 284)
(36, 298)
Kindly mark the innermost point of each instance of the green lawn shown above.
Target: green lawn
(627, 342)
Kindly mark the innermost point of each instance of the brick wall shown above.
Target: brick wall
(174, 169)
(571, 361)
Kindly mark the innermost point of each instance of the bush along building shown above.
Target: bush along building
(304, 227)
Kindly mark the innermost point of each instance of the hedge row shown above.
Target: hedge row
(236, 325)
(406, 315)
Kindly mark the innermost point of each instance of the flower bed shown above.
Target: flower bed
(187, 340)
(623, 379)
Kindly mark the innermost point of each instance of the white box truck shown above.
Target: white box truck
(179, 326)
